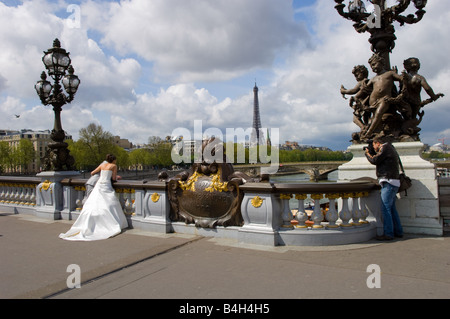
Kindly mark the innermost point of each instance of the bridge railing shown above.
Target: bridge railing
(326, 216)
(273, 214)
(279, 209)
(18, 191)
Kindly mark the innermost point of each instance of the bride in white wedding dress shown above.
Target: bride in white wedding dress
(102, 216)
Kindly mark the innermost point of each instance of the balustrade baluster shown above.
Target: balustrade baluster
(119, 192)
(7, 194)
(2, 193)
(364, 208)
(12, 194)
(27, 195)
(22, 195)
(345, 215)
(332, 215)
(286, 213)
(80, 194)
(356, 211)
(129, 203)
(301, 216)
(33, 196)
(317, 215)
(16, 194)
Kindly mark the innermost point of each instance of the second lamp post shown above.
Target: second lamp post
(59, 68)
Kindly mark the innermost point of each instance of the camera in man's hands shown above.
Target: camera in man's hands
(370, 148)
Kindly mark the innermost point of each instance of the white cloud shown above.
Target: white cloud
(32, 27)
(121, 48)
(198, 39)
(178, 106)
(25, 29)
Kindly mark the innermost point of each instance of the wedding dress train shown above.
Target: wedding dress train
(102, 216)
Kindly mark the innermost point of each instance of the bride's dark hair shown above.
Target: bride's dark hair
(110, 158)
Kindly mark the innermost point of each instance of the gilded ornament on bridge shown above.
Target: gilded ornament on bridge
(46, 185)
(209, 196)
(155, 197)
(257, 201)
(217, 184)
(301, 196)
(189, 185)
(333, 196)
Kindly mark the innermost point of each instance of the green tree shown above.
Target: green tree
(14, 158)
(6, 160)
(157, 153)
(123, 161)
(24, 154)
(160, 152)
(93, 146)
(140, 157)
(313, 155)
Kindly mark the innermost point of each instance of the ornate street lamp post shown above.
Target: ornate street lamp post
(380, 23)
(381, 109)
(59, 68)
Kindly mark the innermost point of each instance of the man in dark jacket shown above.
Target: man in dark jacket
(387, 162)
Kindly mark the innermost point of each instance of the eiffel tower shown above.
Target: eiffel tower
(257, 136)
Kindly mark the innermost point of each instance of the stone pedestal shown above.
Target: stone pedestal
(50, 194)
(152, 210)
(419, 209)
(258, 207)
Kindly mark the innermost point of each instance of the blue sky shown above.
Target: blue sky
(148, 67)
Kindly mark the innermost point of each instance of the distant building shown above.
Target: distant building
(290, 146)
(190, 146)
(7, 132)
(439, 147)
(123, 143)
(40, 140)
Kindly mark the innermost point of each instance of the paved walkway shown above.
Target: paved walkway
(34, 262)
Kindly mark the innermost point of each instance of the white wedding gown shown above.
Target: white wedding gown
(102, 216)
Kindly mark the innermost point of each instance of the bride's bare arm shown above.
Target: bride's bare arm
(114, 173)
(97, 170)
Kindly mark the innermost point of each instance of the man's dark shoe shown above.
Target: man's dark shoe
(384, 237)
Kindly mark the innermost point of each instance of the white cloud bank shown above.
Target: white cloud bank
(173, 44)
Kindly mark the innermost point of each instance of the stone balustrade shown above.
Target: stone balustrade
(18, 194)
(274, 214)
(352, 213)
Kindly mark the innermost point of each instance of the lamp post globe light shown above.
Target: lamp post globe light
(58, 65)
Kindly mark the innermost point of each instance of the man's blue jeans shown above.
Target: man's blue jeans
(391, 219)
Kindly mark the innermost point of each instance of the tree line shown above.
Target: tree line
(16, 158)
(313, 155)
(95, 143)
